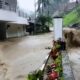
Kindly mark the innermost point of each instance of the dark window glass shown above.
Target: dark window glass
(0, 4)
(8, 26)
(6, 3)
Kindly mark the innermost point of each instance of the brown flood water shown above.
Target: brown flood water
(19, 56)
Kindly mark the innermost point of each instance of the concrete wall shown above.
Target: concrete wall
(14, 30)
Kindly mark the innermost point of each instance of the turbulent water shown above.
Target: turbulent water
(19, 56)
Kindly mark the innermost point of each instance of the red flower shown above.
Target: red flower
(53, 75)
(53, 65)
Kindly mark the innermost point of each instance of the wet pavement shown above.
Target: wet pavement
(67, 68)
(74, 55)
(20, 56)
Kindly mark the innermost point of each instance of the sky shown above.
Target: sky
(72, 0)
(27, 5)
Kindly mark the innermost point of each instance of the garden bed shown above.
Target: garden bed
(53, 69)
(57, 66)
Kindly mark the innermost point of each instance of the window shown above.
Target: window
(6, 3)
(7, 6)
(0, 4)
(8, 26)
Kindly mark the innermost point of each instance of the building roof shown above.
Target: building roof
(12, 17)
(20, 20)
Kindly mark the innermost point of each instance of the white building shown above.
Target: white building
(11, 24)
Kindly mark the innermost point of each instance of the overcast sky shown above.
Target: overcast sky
(72, 0)
(27, 5)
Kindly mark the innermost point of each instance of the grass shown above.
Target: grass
(71, 18)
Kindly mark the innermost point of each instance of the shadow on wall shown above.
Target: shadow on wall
(2, 31)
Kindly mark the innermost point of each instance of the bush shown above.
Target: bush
(35, 75)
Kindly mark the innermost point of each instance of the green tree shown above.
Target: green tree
(45, 21)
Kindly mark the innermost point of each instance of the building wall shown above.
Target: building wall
(14, 30)
(8, 5)
(9, 14)
(1, 3)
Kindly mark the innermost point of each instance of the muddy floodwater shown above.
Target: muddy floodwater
(19, 56)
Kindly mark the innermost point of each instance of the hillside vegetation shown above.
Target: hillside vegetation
(72, 17)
